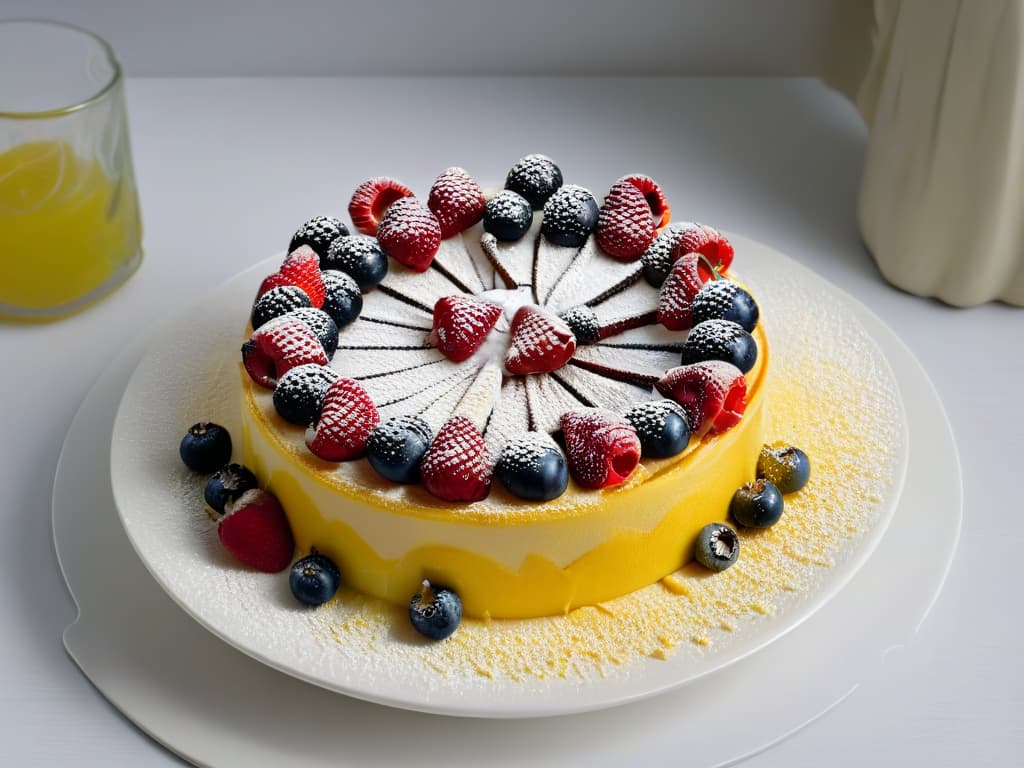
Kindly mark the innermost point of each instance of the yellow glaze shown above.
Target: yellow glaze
(506, 558)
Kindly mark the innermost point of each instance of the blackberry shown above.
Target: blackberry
(507, 215)
(320, 323)
(276, 302)
(657, 259)
(662, 426)
(358, 256)
(582, 321)
(342, 299)
(299, 394)
(720, 340)
(396, 447)
(725, 300)
(533, 467)
(318, 233)
(535, 178)
(570, 215)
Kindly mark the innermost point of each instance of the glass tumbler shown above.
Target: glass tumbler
(70, 230)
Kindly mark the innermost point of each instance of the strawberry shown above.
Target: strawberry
(461, 324)
(707, 241)
(677, 293)
(625, 224)
(410, 233)
(457, 466)
(371, 199)
(541, 342)
(602, 447)
(655, 198)
(346, 419)
(302, 269)
(713, 393)
(456, 200)
(278, 346)
(256, 531)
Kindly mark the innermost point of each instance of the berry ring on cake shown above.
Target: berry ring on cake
(530, 399)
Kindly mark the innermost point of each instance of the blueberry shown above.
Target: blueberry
(662, 427)
(276, 302)
(299, 394)
(205, 447)
(535, 178)
(757, 504)
(226, 485)
(395, 448)
(725, 300)
(583, 323)
(786, 466)
(320, 323)
(718, 546)
(570, 215)
(533, 467)
(318, 233)
(342, 300)
(720, 340)
(507, 215)
(435, 612)
(358, 256)
(314, 579)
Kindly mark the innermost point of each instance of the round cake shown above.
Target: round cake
(532, 398)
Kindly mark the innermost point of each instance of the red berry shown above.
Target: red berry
(457, 466)
(655, 198)
(625, 224)
(675, 298)
(302, 269)
(410, 233)
(456, 200)
(278, 346)
(710, 243)
(461, 324)
(540, 342)
(256, 531)
(346, 419)
(602, 447)
(713, 393)
(371, 199)
(719, 250)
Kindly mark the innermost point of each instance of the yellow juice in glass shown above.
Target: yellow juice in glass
(66, 227)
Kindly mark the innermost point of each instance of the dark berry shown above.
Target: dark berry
(507, 215)
(725, 300)
(343, 301)
(395, 448)
(205, 447)
(657, 259)
(435, 612)
(299, 394)
(533, 467)
(535, 178)
(718, 546)
(662, 427)
(757, 504)
(318, 233)
(787, 467)
(360, 257)
(320, 323)
(570, 215)
(314, 579)
(226, 485)
(720, 340)
(276, 302)
(583, 323)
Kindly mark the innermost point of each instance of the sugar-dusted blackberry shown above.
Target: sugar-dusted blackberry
(396, 447)
(583, 322)
(662, 426)
(657, 259)
(342, 298)
(318, 233)
(299, 394)
(320, 323)
(535, 177)
(725, 300)
(570, 215)
(276, 302)
(720, 340)
(507, 215)
(533, 467)
(360, 257)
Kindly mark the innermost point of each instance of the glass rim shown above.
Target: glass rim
(115, 77)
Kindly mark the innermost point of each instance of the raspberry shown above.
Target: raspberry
(456, 200)
(410, 233)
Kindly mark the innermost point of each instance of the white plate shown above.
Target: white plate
(190, 373)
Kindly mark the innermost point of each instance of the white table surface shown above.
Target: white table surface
(228, 168)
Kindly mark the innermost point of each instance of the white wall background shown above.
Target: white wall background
(454, 37)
